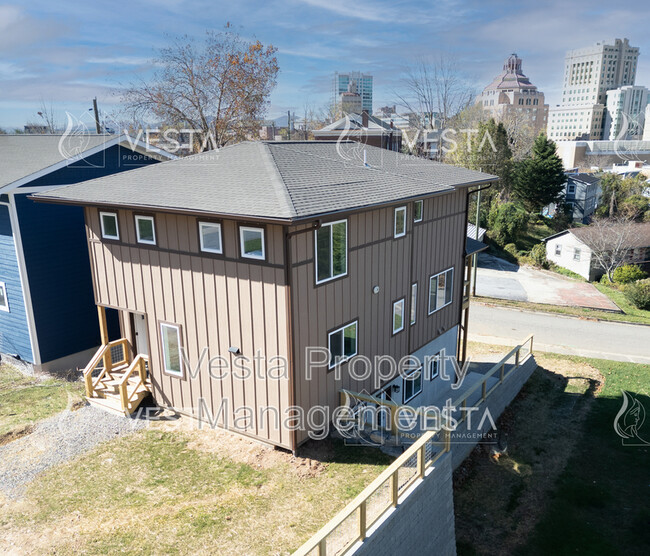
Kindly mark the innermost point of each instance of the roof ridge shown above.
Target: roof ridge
(278, 178)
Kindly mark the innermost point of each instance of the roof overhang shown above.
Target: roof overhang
(472, 246)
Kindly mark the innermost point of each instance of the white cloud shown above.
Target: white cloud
(119, 61)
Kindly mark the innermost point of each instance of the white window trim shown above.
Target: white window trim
(414, 303)
(405, 379)
(344, 358)
(558, 250)
(117, 225)
(139, 217)
(5, 307)
(421, 203)
(395, 304)
(176, 328)
(243, 229)
(430, 312)
(395, 234)
(330, 225)
(577, 251)
(209, 249)
(433, 360)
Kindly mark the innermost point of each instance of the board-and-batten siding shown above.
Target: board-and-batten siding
(375, 258)
(219, 302)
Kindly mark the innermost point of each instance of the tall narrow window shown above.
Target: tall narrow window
(417, 211)
(331, 248)
(576, 254)
(441, 288)
(145, 229)
(398, 316)
(252, 242)
(414, 302)
(110, 227)
(400, 222)
(412, 384)
(342, 343)
(171, 347)
(4, 301)
(210, 237)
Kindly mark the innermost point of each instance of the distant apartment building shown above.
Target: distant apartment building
(625, 112)
(588, 74)
(646, 124)
(512, 95)
(355, 82)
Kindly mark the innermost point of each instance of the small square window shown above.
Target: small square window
(398, 316)
(342, 344)
(110, 227)
(145, 230)
(210, 237)
(4, 301)
(558, 249)
(412, 384)
(417, 211)
(252, 242)
(400, 222)
(171, 348)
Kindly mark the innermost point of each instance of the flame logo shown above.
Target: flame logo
(629, 124)
(75, 138)
(351, 152)
(629, 420)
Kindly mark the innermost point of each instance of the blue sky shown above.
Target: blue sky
(64, 52)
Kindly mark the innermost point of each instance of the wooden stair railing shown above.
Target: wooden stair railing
(139, 365)
(105, 354)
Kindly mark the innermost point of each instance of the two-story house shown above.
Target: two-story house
(262, 250)
(582, 194)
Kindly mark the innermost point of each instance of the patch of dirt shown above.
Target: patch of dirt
(541, 427)
(15, 434)
(228, 445)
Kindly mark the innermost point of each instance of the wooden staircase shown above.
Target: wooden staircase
(115, 383)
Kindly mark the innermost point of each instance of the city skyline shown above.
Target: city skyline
(56, 52)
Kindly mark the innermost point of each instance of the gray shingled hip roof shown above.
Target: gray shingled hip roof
(284, 181)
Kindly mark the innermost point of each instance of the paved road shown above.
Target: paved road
(560, 334)
(504, 280)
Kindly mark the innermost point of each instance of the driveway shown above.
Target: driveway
(503, 280)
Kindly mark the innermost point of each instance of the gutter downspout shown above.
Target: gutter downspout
(290, 339)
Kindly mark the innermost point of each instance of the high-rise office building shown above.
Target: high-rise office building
(512, 95)
(355, 82)
(588, 74)
(625, 112)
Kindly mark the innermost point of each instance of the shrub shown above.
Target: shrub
(634, 207)
(638, 293)
(628, 273)
(511, 248)
(507, 221)
(538, 255)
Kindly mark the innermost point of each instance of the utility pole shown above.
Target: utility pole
(97, 126)
(288, 125)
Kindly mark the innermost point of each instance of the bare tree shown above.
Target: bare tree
(611, 240)
(219, 88)
(435, 91)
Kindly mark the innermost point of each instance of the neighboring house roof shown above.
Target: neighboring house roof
(354, 122)
(591, 179)
(639, 238)
(279, 181)
(471, 231)
(25, 157)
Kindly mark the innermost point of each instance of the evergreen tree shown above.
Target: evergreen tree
(539, 179)
(490, 152)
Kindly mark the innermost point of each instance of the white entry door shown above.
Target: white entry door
(141, 343)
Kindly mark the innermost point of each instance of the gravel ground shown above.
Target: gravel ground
(57, 440)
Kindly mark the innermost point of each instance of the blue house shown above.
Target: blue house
(48, 317)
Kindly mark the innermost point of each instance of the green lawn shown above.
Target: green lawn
(166, 491)
(566, 485)
(26, 400)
